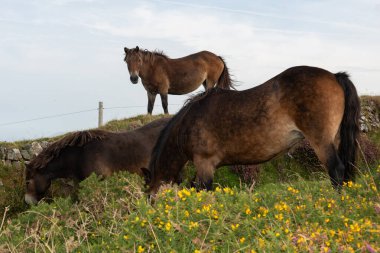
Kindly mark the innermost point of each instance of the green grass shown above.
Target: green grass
(115, 215)
(130, 123)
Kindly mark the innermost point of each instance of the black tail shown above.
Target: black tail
(349, 127)
(225, 81)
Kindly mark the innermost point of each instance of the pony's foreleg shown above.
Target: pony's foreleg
(205, 174)
(164, 100)
(151, 99)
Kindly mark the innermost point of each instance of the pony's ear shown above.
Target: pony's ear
(137, 48)
(126, 50)
(147, 175)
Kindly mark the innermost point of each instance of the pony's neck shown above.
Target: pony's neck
(168, 164)
(61, 168)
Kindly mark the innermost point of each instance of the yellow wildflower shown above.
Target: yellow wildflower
(214, 214)
(193, 225)
(234, 226)
(300, 240)
(279, 216)
(140, 249)
(168, 208)
(293, 190)
(206, 208)
(183, 194)
(261, 243)
(228, 190)
(263, 210)
(355, 227)
(168, 226)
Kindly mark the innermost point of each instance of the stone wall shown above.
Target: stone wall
(18, 156)
(369, 116)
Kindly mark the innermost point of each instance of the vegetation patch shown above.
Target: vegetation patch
(114, 214)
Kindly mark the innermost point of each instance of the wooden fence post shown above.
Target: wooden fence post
(100, 114)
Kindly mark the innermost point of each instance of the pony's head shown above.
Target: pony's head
(38, 180)
(133, 58)
(153, 183)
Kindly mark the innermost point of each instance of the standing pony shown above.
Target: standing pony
(161, 75)
(225, 127)
(79, 154)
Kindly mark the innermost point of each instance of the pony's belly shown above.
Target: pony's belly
(261, 149)
(183, 88)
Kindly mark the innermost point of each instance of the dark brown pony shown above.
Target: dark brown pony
(79, 154)
(226, 127)
(161, 75)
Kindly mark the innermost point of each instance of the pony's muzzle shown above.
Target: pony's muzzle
(30, 199)
(134, 79)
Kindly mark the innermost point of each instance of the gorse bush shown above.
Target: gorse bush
(114, 215)
(65, 225)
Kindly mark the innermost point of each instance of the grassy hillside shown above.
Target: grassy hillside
(290, 207)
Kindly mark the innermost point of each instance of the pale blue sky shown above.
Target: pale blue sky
(62, 56)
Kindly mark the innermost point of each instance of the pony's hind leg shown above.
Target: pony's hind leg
(328, 155)
(209, 83)
(335, 167)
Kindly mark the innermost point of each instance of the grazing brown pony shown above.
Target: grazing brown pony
(161, 75)
(226, 127)
(79, 154)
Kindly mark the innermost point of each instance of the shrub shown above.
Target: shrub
(13, 189)
(368, 149)
(248, 173)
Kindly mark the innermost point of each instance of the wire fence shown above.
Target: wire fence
(73, 113)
